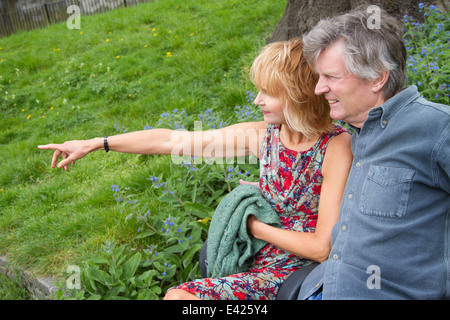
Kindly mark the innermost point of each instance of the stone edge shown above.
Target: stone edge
(41, 288)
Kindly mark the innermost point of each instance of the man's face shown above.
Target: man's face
(350, 98)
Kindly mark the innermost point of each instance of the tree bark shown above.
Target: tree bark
(300, 16)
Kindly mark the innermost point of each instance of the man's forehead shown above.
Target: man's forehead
(331, 60)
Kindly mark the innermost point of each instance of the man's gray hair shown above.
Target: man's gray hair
(368, 51)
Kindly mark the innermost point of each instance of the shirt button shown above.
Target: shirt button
(335, 256)
(384, 122)
(358, 164)
(344, 228)
(350, 196)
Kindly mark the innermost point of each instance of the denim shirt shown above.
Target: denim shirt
(392, 239)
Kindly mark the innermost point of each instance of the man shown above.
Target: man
(392, 240)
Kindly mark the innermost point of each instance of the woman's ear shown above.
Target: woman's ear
(380, 82)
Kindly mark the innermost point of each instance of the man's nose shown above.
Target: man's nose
(321, 86)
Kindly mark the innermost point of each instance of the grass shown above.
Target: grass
(122, 69)
(12, 289)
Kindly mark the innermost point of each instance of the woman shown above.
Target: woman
(305, 160)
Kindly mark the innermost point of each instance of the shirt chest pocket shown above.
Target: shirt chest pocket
(385, 192)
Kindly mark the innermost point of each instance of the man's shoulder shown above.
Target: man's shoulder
(423, 112)
(438, 108)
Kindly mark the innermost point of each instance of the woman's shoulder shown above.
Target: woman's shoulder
(339, 140)
(339, 128)
(339, 135)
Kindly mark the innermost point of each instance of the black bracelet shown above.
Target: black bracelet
(105, 144)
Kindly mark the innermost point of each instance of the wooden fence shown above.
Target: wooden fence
(54, 12)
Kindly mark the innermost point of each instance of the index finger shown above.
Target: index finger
(52, 146)
(56, 154)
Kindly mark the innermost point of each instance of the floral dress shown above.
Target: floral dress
(291, 182)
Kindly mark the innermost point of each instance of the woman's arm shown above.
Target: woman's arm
(236, 140)
(315, 245)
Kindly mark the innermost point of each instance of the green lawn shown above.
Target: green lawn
(120, 71)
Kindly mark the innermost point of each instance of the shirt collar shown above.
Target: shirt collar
(391, 106)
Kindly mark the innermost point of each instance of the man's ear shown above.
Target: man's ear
(380, 82)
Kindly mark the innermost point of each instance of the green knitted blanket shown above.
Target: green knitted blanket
(230, 248)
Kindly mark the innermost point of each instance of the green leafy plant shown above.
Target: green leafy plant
(429, 53)
(114, 276)
(118, 279)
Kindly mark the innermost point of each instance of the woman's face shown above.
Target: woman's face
(271, 107)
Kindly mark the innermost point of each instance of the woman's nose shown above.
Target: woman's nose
(257, 100)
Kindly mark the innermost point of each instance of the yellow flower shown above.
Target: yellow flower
(169, 54)
(81, 32)
(23, 110)
(121, 39)
(51, 108)
(146, 46)
(29, 116)
(204, 221)
(1, 189)
(153, 29)
(155, 34)
(192, 34)
(107, 40)
(117, 57)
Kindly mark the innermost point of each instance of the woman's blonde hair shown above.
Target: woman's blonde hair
(282, 70)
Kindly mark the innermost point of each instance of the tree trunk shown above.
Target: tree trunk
(301, 15)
